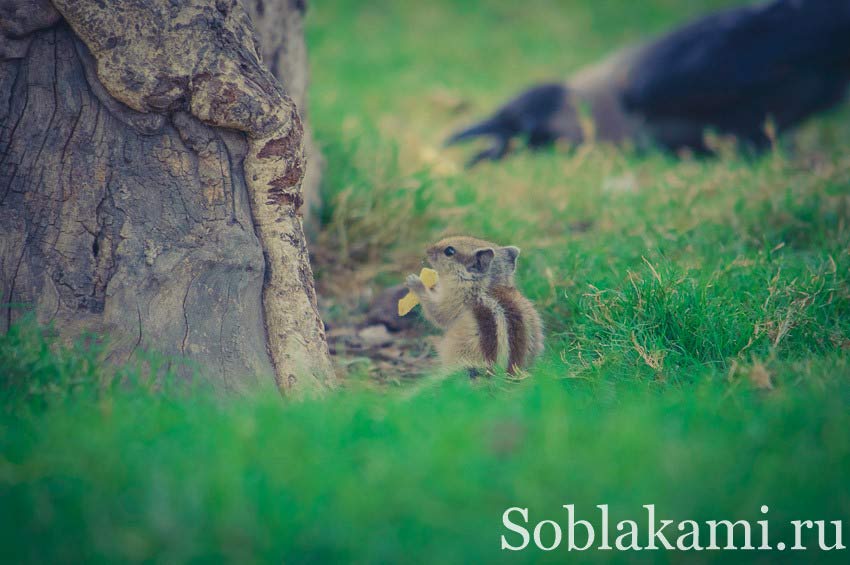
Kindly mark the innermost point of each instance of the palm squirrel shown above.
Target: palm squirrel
(485, 318)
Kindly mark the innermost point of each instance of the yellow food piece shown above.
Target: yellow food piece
(406, 304)
(429, 277)
(410, 300)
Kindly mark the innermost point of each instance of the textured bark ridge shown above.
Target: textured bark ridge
(280, 26)
(150, 170)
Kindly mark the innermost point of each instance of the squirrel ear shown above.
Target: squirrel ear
(511, 253)
(481, 261)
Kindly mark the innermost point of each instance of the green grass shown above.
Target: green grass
(697, 313)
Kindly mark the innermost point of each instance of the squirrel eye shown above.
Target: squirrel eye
(449, 251)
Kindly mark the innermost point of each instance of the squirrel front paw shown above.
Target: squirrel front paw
(415, 284)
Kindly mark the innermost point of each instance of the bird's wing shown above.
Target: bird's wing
(737, 56)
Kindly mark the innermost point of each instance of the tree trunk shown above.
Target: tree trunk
(280, 25)
(150, 170)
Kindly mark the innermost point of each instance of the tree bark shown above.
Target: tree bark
(280, 26)
(150, 170)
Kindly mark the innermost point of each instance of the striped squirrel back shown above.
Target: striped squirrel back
(487, 321)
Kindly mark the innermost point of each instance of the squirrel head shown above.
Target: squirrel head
(503, 266)
(470, 259)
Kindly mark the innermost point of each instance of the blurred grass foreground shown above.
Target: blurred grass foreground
(698, 334)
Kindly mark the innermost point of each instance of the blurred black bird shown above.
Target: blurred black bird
(733, 72)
